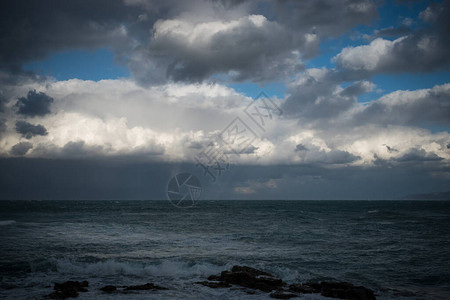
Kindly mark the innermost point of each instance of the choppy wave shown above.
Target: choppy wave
(384, 246)
(7, 222)
(164, 268)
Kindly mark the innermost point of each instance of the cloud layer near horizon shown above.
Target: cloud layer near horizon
(172, 122)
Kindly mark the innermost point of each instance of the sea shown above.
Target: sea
(399, 249)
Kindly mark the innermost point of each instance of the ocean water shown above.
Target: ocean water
(400, 249)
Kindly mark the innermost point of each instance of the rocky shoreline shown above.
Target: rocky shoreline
(247, 277)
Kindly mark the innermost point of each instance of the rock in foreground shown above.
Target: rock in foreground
(259, 280)
(144, 287)
(251, 278)
(108, 289)
(345, 290)
(68, 289)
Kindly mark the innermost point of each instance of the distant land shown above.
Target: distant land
(429, 196)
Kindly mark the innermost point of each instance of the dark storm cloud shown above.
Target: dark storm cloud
(424, 50)
(301, 147)
(249, 47)
(34, 104)
(318, 95)
(2, 103)
(340, 157)
(324, 17)
(29, 130)
(124, 180)
(418, 155)
(2, 126)
(31, 30)
(314, 156)
(83, 179)
(21, 148)
(255, 51)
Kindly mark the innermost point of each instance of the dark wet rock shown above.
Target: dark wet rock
(214, 278)
(142, 287)
(316, 286)
(74, 285)
(263, 283)
(345, 290)
(214, 284)
(282, 295)
(250, 270)
(303, 288)
(68, 289)
(63, 294)
(250, 278)
(255, 279)
(109, 289)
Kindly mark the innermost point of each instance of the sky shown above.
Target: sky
(326, 99)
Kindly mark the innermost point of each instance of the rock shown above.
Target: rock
(345, 290)
(147, 286)
(108, 289)
(249, 270)
(251, 278)
(255, 279)
(282, 295)
(68, 289)
(63, 294)
(74, 285)
(267, 283)
(214, 278)
(303, 288)
(214, 284)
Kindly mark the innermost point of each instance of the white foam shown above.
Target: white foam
(164, 268)
(7, 222)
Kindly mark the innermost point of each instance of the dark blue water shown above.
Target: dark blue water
(400, 249)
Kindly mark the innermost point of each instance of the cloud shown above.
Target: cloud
(423, 50)
(408, 107)
(418, 155)
(253, 187)
(182, 41)
(34, 104)
(2, 103)
(300, 147)
(317, 93)
(153, 123)
(249, 47)
(239, 42)
(324, 17)
(393, 31)
(29, 130)
(49, 26)
(2, 126)
(315, 155)
(21, 148)
(325, 128)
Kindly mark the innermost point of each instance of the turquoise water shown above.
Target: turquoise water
(400, 249)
